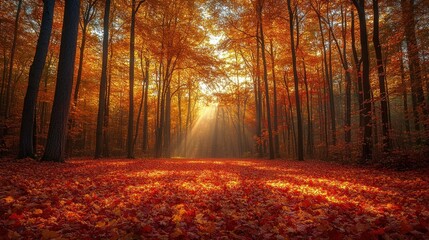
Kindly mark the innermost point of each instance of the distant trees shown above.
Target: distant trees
(11, 61)
(420, 110)
(88, 14)
(275, 75)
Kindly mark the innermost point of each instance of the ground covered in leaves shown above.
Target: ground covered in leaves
(209, 199)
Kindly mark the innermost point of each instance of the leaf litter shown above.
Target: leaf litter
(210, 199)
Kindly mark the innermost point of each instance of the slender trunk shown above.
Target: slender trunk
(291, 128)
(381, 79)
(267, 93)
(11, 61)
(419, 107)
(80, 66)
(44, 103)
(188, 118)
(310, 141)
(258, 99)
(300, 142)
(275, 105)
(167, 124)
(145, 109)
(103, 84)
(405, 96)
(366, 86)
(138, 117)
(358, 72)
(130, 132)
(348, 111)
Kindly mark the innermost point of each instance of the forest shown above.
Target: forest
(202, 119)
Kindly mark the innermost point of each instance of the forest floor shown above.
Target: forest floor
(210, 199)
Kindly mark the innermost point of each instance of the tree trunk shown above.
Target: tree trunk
(258, 99)
(366, 86)
(167, 124)
(26, 143)
(358, 72)
(404, 95)
(103, 84)
(145, 110)
(55, 146)
(275, 105)
(381, 79)
(267, 93)
(300, 142)
(419, 107)
(130, 132)
(11, 61)
(89, 14)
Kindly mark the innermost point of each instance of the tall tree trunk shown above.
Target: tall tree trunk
(328, 79)
(267, 93)
(404, 95)
(26, 140)
(145, 110)
(366, 86)
(348, 111)
(167, 124)
(275, 105)
(258, 98)
(11, 61)
(300, 142)
(103, 84)
(138, 117)
(55, 146)
(419, 107)
(310, 141)
(385, 125)
(130, 146)
(358, 72)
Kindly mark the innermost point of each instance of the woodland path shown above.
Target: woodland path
(209, 198)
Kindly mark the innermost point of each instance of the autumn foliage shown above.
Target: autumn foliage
(206, 199)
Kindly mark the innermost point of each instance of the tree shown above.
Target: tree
(55, 145)
(420, 110)
(26, 144)
(300, 139)
(381, 79)
(11, 60)
(264, 65)
(366, 86)
(130, 146)
(88, 15)
(103, 84)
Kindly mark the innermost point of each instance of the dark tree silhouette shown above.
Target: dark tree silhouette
(103, 84)
(130, 146)
(381, 79)
(56, 142)
(300, 139)
(366, 87)
(26, 144)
